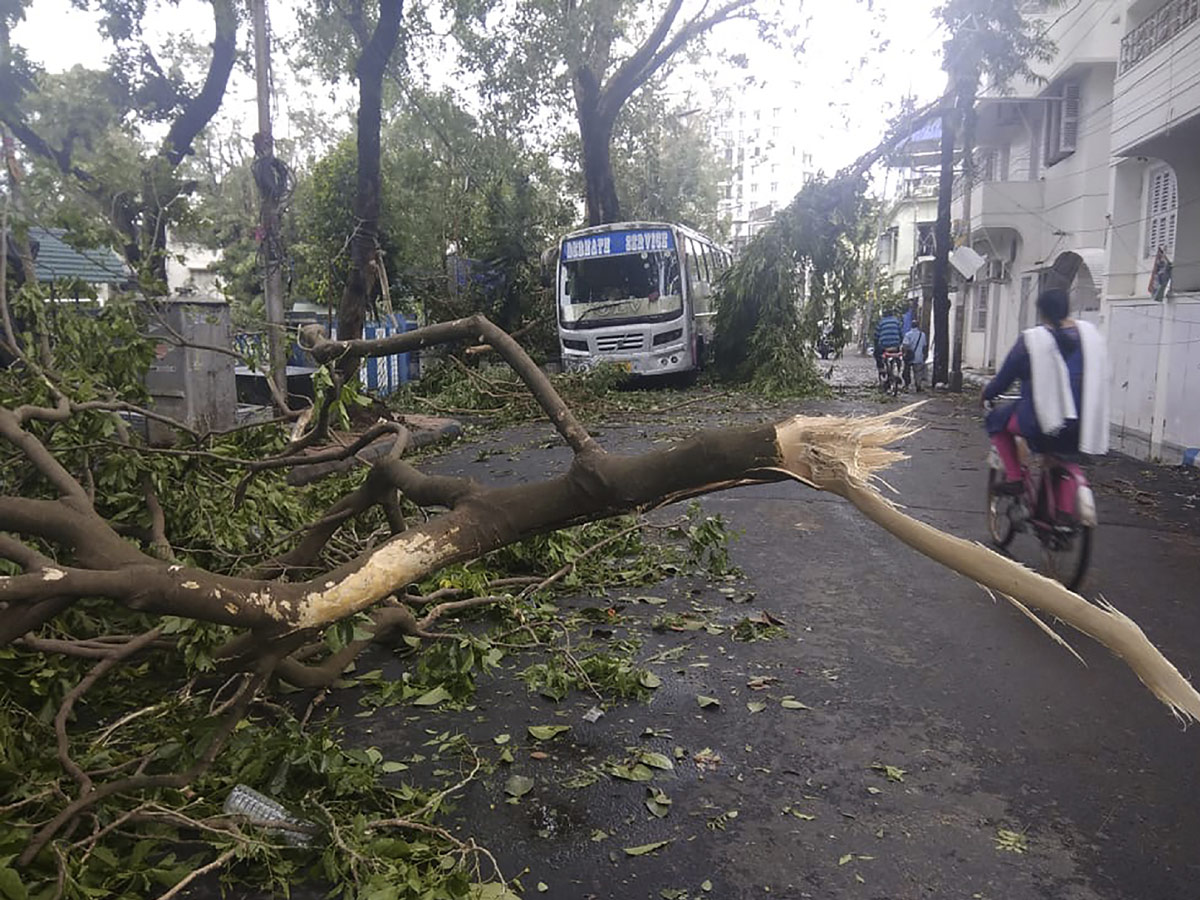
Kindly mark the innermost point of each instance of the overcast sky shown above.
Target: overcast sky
(846, 87)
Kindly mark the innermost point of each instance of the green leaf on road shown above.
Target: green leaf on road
(755, 706)
(657, 802)
(803, 816)
(649, 680)
(657, 761)
(636, 772)
(502, 739)
(1011, 841)
(893, 773)
(707, 702)
(432, 698)
(793, 703)
(547, 732)
(518, 785)
(646, 848)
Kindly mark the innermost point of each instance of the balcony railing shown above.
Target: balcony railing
(922, 188)
(1172, 18)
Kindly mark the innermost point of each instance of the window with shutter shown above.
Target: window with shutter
(979, 320)
(1069, 113)
(1162, 205)
(1062, 123)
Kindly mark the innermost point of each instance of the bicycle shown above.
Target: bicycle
(1055, 501)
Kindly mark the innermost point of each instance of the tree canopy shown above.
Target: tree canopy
(593, 56)
(84, 127)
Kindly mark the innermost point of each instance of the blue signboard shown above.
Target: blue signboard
(615, 243)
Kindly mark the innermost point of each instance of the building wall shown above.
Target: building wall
(1159, 90)
(1155, 127)
(1136, 116)
(189, 272)
(1133, 334)
(915, 203)
(1035, 210)
(1181, 425)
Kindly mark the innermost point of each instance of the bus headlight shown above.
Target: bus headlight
(668, 337)
(569, 344)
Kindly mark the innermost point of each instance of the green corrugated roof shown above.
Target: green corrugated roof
(58, 260)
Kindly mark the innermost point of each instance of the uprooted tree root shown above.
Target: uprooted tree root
(277, 614)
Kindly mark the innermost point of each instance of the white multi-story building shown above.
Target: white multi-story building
(767, 164)
(1155, 205)
(1081, 181)
(906, 240)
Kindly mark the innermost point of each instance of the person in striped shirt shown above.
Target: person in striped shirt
(888, 335)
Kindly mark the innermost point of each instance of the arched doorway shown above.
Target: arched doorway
(1078, 272)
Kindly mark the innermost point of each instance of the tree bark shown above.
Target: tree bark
(941, 259)
(837, 455)
(364, 243)
(595, 132)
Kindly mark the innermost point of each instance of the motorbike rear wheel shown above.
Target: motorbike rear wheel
(999, 506)
(1067, 552)
(894, 381)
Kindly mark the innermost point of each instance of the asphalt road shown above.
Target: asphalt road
(902, 664)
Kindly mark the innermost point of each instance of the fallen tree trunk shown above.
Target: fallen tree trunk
(836, 455)
(282, 622)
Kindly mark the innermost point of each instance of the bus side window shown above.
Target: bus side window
(701, 291)
(710, 264)
(671, 275)
(693, 266)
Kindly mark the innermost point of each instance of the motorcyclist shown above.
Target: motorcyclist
(1062, 412)
(888, 335)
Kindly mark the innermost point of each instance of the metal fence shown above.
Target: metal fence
(1170, 19)
(381, 375)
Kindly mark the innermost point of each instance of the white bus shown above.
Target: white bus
(638, 294)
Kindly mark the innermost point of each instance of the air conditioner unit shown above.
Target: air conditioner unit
(998, 270)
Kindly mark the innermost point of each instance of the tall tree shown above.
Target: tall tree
(597, 54)
(60, 120)
(450, 182)
(377, 43)
(992, 38)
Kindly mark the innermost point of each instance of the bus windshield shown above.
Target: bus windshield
(627, 286)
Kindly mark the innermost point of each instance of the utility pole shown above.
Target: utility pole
(966, 102)
(271, 179)
(941, 258)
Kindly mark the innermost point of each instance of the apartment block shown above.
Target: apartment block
(1091, 179)
(767, 163)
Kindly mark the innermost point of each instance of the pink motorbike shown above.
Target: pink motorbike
(1056, 503)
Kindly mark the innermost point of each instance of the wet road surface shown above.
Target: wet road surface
(1005, 741)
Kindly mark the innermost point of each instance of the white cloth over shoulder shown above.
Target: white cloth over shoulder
(1053, 401)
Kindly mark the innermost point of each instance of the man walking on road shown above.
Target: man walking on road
(914, 348)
